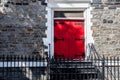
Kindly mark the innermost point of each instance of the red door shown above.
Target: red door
(69, 39)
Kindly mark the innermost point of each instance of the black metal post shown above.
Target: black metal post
(49, 51)
(103, 68)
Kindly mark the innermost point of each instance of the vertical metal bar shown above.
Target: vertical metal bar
(38, 71)
(56, 68)
(60, 75)
(49, 51)
(43, 62)
(36, 67)
(71, 70)
(48, 67)
(25, 67)
(75, 76)
(54, 62)
(114, 67)
(3, 66)
(103, 68)
(98, 63)
(7, 66)
(98, 67)
(29, 59)
(14, 66)
(18, 59)
(21, 66)
(91, 70)
(31, 63)
(32, 60)
(11, 65)
(118, 68)
(111, 68)
(107, 68)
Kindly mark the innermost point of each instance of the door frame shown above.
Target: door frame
(70, 6)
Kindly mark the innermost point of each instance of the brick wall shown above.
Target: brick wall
(106, 31)
(22, 27)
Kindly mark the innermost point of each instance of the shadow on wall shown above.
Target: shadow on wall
(22, 29)
(23, 74)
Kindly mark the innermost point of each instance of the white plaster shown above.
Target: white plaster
(61, 6)
(88, 35)
(49, 40)
(68, 5)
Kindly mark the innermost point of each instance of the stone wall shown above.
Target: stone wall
(106, 31)
(22, 27)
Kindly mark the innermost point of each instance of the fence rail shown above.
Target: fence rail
(22, 61)
(38, 68)
(23, 67)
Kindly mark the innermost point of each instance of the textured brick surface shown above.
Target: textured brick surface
(106, 31)
(22, 27)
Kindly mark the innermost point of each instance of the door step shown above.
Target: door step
(73, 70)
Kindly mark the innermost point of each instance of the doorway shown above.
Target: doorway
(69, 39)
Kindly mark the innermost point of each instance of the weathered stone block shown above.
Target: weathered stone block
(106, 33)
(21, 30)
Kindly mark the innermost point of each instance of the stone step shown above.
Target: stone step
(72, 67)
(73, 70)
(70, 64)
(72, 76)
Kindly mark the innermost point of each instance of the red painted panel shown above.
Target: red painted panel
(69, 39)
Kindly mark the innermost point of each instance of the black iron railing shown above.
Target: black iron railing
(32, 67)
(108, 66)
(112, 68)
(73, 70)
(29, 67)
(93, 54)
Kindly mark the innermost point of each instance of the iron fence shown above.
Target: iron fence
(31, 67)
(107, 68)
(23, 67)
(74, 70)
(111, 67)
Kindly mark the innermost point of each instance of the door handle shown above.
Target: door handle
(79, 38)
(57, 39)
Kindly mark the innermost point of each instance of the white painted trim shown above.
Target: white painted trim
(61, 6)
(69, 9)
(107, 63)
(49, 31)
(68, 5)
(69, 1)
(70, 18)
(88, 25)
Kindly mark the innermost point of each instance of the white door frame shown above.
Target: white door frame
(63, 6)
